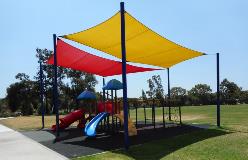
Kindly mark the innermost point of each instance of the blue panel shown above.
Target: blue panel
(113, 85)
(86, 95)
(90, 129)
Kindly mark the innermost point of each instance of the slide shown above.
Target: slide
(90, 129)
(132, 131)
(69, 119)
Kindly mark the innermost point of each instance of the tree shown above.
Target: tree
(178, 95)
(42, 56)
(151, 90)
(4, 110)
(159, 91)
(200, 94)
(23, 95)
(80, 81)
(178, 91)
(143, 97)
(155, 87)
(243, 97)
(13, 96)
(230, 92)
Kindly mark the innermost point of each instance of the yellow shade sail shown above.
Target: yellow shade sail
(142, 44)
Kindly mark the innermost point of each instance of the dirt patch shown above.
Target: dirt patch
(192, 117)
(184, 117)
(29, 122)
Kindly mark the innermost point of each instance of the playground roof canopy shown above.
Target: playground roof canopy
(86, 95)
(142, 44)
(113, 84)
(74, 58)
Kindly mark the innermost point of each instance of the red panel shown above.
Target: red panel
(76, 59)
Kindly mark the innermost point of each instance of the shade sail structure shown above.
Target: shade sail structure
(142, 44)
(74, 58)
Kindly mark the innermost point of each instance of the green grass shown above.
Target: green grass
(229, 142)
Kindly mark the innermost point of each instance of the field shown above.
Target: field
(24, 123)
(228, 142)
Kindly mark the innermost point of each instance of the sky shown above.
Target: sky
(208, 26)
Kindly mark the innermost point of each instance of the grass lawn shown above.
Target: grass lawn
(229, 142)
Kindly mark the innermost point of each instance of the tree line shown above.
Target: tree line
(200, 94)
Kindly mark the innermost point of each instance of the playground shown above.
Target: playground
(105, 123)
(190, 144)
(109, 124)
(131, 41)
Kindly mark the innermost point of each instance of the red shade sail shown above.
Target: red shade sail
(76, 59)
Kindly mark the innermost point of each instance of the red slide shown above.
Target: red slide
(69, 119)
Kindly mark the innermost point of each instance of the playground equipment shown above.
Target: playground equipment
(77, 115)
(106, 107)
(90, 129)
(132, 131)
(66, 121)
(86, 95)
(109, 108)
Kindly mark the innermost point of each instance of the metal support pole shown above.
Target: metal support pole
(55, 85)
(124, 78)
(112, 116)
(218, 89)
(42, 95)
(153, 113)
(108, 126)
(163, 114)
(128, 108)
(169, 96)
(145, 114)
(104, 99)
(136, 115)
(180, 115)
(116, 109)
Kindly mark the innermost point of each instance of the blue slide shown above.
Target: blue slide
(90, 129)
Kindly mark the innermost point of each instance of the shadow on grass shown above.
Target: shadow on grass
(160, 148)
(116, 141)
(148, 144)
(182, 136)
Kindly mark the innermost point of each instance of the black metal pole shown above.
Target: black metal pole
(42, 95)
(108, 126)
(104, 99)
(112, 116)
(128, 108)
(116, 109)
(180, 115)
(169, 96)
(163, 114)
(145, 113)
(218, 89)
(136, 115)
(124, 78)
(55, 85)
(153, 113)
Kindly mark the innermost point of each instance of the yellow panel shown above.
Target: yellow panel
(142, 44)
